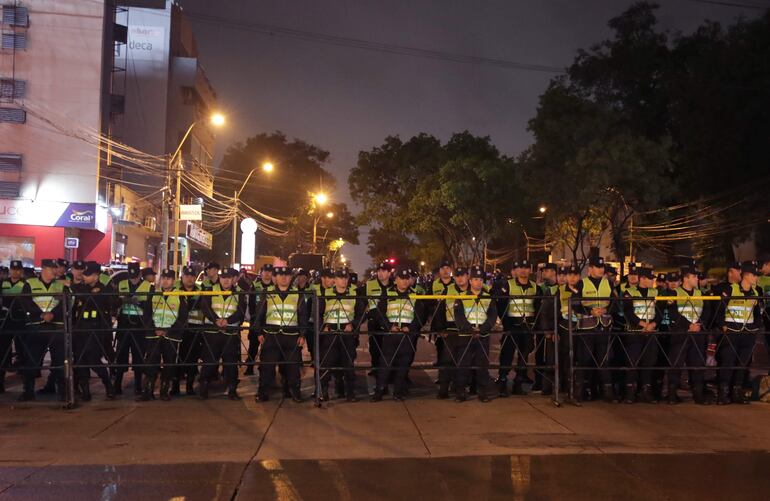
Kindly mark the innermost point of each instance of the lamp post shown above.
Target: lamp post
(319, 199)
(217, 120)
(267, 167)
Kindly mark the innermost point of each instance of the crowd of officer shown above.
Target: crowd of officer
(175, 330)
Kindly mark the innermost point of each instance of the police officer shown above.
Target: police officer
(131, 334)
(341, 313)
(401, 320)
(211, 278)
(763, 281)
(444, 324)
(264, 283)
(518, 314)
(281, 322)
(91, 317)
(375, 289)
(62, 265)
(474, 317)
(78, 267)
(642, 320)
(13, 318)
(594, 305)
(326, 281)
(166, 317)
(42, 300)
(567, 322)
(190, 349)
(543, 339)
(689, 316)
(440, 287)
(223, 315)
(739, 320)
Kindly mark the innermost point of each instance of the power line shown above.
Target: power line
(725, 3)
(357, 43)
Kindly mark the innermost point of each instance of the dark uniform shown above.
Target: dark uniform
(264, 283)
(640, 342)
(131, 334)
(444, 324)
(13, 318)
(474, 317)
(222, 342)
(401, 322)
(91, 317)
(690, 319)
(519, 315)
(166, 317)
(375, 290)
(190, 349)
(740, 320)
(41, 334)
(281, 320)
(439, 308)
(341, 314)
(593, 348)
(566, 323)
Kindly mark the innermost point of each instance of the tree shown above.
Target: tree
(285, 193)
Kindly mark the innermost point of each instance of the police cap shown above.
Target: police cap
(596, 261)
(16, 265)
(749, 267)
(384, 266)
(92, 268)
(403, 273)
(461, 270)
(645, 273)
(48, 263)
(148, 272)
(327, 273)
(342, 273)
(79, 265)
(188, 270)
(212, 265)
(477, 272)
(167, 273)
(281, 270)
(133, 270)
(228, 272)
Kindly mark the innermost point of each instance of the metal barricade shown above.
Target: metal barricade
(395, 356)
(632, 356)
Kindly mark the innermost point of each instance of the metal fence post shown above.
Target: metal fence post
(69, 373)
(571, 361)
(317, 349)
(556, 346)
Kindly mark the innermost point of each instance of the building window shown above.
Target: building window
(14, 15)
(14, 41)
(12, 89)
(13, 115)
(10, 175)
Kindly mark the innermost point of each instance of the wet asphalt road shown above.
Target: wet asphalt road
(596, 476)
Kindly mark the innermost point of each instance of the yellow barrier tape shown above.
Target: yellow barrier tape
(197, 293)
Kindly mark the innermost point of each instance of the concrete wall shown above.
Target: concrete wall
(62, 67)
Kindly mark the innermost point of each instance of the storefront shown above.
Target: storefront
(36, 230)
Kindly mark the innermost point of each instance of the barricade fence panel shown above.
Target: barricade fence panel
(640, 348)
(499, 343)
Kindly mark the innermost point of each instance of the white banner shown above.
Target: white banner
(191, 212)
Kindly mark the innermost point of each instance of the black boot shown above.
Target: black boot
(724, 394)
(174, 387)
(443, 391)
(203, 389)
(377, 395)
(350, 396)
(118, 384)
(739, 397)
(502, 387)
(28, 394)
(673, 398)
(164, 389)
(577, 394)
(483, 395)
(325, 392)
(146, 392)
(518, 388)
(698, 396)
(608, 393)
(138, 386)
(190, 386)
(262, 395)
(629, 396)
(249, 370)
(85, 391)
(232, 392)
(646, 395)
(109, 389)
(296, 395)
(50, 386)
(460, 395)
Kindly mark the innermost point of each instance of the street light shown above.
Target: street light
(319, 199)
(266, 167)
(542, 209)
(217, 120)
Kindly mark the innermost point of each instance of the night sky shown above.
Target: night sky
(347, 99)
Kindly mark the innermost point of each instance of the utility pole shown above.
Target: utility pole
(178, 199)
(235, 223)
